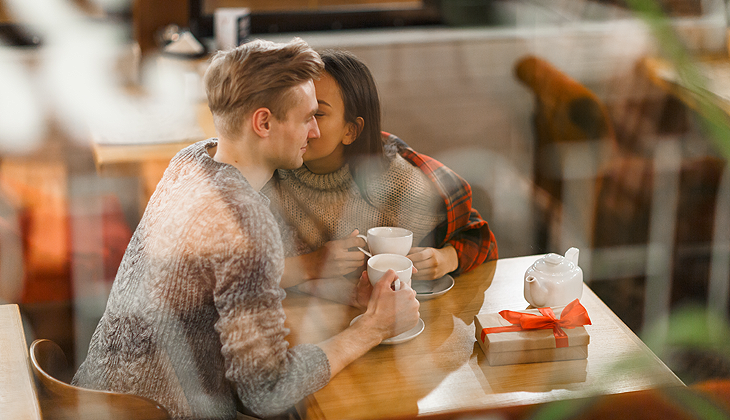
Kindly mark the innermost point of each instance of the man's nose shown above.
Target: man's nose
(314, 132)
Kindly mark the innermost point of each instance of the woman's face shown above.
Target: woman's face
(326, 153)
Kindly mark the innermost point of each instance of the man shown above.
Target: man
(194, 320)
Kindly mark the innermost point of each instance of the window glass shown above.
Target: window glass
(291, 5)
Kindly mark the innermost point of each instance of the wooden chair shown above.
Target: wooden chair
(566, 113)
(619, 205)
(571, 125)
(60, 400)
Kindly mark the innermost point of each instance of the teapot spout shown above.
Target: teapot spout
(572, 255)
(538, 292)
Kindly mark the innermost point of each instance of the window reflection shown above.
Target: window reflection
(209, 6)
(647, 206)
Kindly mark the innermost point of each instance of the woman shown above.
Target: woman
(355, 177)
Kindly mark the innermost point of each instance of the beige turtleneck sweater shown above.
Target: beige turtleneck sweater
(314, 209)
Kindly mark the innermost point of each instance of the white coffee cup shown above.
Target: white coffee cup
(388, 240)
(379, 264)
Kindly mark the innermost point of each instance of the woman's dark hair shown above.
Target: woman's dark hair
(360, 97)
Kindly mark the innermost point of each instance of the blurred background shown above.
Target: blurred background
(596, 124)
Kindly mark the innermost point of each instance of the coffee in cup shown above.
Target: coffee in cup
(379, 264)
(388, 240)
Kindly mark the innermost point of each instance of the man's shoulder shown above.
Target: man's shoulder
(210, 216)
(194, 185)
(193, 151)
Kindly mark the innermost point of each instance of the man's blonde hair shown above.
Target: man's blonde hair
(255, 75)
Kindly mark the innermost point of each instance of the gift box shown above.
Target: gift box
(534, 335)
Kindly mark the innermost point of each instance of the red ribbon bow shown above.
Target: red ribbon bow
(574, 315)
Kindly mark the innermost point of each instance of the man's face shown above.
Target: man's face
(290, 137)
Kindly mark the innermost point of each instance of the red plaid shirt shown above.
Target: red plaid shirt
(463, 228)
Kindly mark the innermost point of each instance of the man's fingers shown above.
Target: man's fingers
(384, 283)
(406, 286)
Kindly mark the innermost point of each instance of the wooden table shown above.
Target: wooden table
(17, 389)
(445, 370)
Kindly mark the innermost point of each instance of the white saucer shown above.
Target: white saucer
(403, 337)
(429, 289)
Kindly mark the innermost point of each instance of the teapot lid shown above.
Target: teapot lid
(554, 264)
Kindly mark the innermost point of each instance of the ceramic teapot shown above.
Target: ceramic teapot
(554, 280)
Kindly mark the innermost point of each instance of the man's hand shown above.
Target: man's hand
(362, 292)
(388, 314)
(391, 312)
(433, 263)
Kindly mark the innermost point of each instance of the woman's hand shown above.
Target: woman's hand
(335, 258)
(433, 263)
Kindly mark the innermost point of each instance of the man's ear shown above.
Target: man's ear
(353, 131)
(261, 121)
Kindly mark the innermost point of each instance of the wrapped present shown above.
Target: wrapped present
(534, 335)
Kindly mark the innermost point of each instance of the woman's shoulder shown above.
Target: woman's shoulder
(404, 175)
(399, 166)
(404, 180)
(403, 170)
(391, 145)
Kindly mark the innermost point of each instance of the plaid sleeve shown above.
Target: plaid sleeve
(463, 228)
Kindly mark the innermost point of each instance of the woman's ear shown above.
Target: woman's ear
(353, 131)
(261, 121)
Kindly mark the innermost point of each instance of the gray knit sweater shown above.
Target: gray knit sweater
(195, 315)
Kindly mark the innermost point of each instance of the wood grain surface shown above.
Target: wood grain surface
(444, 370)
(17, 391)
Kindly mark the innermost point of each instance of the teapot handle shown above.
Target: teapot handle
(572, 255)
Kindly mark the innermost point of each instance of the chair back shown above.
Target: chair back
(566, 113)
(60, 400)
